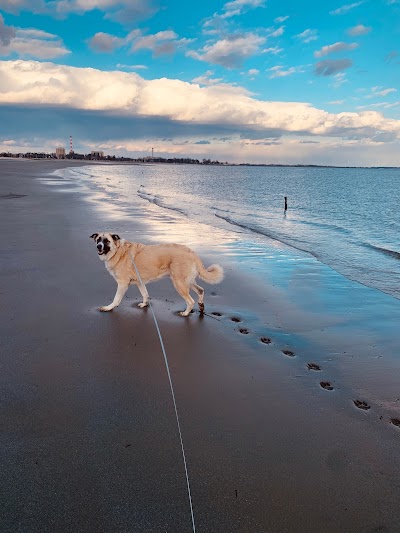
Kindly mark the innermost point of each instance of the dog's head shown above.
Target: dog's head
(106, 243)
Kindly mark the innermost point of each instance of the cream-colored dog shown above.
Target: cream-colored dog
(154, 262)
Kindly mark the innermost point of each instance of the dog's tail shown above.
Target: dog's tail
(213, 274)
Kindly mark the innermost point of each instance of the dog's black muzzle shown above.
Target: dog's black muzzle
(103, 248)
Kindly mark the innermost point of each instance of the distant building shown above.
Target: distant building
(60, 153)
(97, 154)
(75, 155)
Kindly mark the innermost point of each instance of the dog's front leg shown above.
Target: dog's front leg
(145, 296)
(121, 290)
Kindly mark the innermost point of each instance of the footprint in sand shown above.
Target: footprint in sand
(289, 353)
(395, 422)
(244, 331)
(313, 366)
(361, 405)
(11, 196)
(265, 340)
(326, 385)
(236, 319)
(216, 313)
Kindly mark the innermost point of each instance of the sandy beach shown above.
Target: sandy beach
(287, 392)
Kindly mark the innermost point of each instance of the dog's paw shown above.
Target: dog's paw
(142, 305)
(104, 309)
(183, 313)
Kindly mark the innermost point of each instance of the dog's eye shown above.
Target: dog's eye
(106, 241)
(98, 240)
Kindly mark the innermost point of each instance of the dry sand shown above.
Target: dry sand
(89, 441)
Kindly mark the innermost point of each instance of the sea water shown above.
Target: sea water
(347, 218)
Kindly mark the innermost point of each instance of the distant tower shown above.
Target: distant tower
(152, 153)
(70, 145)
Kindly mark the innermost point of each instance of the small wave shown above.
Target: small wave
(156, 201)
(386, 251)
(323, 225)
(261, 231)
(60, 173)
(80, 172)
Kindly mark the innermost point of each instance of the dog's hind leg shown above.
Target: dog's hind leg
(182, 288)
(121, 290)
(145, 296)
(200, 293)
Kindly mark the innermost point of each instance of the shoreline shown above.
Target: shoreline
(134, 162)
(268, 448)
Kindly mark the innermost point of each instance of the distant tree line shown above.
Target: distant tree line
(111, 158)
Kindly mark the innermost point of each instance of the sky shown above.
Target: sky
(243, 81)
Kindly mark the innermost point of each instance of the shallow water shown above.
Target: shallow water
(346, 218)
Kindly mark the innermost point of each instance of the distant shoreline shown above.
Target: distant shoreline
(111, 162)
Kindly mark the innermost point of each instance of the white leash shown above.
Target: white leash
(173, 395)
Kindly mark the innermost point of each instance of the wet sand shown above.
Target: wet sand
(89, 439)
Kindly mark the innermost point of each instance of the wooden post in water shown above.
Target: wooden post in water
(285, 203)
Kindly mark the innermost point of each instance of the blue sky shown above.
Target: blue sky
(244, 80)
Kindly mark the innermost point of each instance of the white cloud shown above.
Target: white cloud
(336, 47)
(339, 79)
(345, 8)
(37, 48)
(219, 23)
(89, 5)
(36, 34)
(307, 35)
(163, 42)
(383, 105)
(279, 20)
(16, 6)
(278, 71)
(336, 102)
(206, 79)
(380, 91)
(30, 42)
(275, 50)
(152, 41)
(104, 42)
(329, 67)
(392, 104)
(237, 7)
(360, 29)
(121, 10)
(385, 92)
(277, 33)
(129, 95)
(230, 52)
(132, 67)
(252, 73)
(215, 25)
(239, 4)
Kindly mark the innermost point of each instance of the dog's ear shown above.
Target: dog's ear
(115, 237)
(94, 236)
